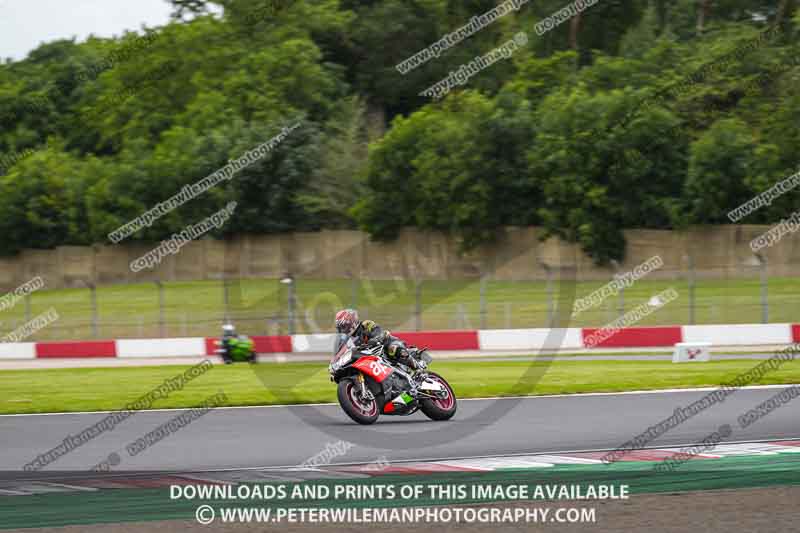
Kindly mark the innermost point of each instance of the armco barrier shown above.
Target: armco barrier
(76, 349)
(318, 343)
(184, 347)
(441, 340)
(519, 340)
(739, 334)
(530, 339)
(638, 337)
(18, 350)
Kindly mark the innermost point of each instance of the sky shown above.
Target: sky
(24, 24)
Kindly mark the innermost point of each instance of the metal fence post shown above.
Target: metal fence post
(418, 304)
(762, 265)
(551, 308)
(226, 317)
(353, 291)
(621, 300)
(161, 328)
(28, 307)
(290, 303)
(483, 302)
(289, 281)
(290, 325)
(93, 290)
(691, 281)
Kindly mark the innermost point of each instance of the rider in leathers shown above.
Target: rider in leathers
(369, 333)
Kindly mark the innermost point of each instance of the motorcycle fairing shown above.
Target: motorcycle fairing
(374, 367)
(431, 385)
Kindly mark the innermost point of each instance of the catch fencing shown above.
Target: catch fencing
(291, 305)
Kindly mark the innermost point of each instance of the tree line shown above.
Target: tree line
(634, 114)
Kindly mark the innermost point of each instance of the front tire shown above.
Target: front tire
(440, 409)
(348, 393)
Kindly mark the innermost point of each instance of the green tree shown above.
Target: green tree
(595, 185)
(720, 164)
(337, 182)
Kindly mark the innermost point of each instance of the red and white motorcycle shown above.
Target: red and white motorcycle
(369, 385)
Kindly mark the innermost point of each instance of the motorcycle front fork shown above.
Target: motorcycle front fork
(364, 392)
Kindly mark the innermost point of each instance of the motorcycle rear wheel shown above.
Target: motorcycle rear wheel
(363, 412)
(442, 409)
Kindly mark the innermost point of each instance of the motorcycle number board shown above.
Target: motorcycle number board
(374, 367)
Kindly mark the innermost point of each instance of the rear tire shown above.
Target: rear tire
(440, 410)
(347, 393)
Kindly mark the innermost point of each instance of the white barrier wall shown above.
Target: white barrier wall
(530, 339)
(185, 347)
(17, 350)
(739, 334)
(320, 343)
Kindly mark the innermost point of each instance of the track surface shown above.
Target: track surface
(286, 436)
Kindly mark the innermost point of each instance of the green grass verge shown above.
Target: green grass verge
(82, 389)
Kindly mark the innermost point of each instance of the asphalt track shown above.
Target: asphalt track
(258, 437)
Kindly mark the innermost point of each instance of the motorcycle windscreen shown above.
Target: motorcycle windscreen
(341, 351)
(374, 367)
(339, 341)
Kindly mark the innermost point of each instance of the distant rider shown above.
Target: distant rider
(369, 333)
(228, 335)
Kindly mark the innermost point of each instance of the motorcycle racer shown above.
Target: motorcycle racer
(369, 333)
(373, 376)
(228, 334)
(235, 347)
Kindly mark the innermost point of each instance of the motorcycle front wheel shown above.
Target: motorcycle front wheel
(360, 410)
(440, 409)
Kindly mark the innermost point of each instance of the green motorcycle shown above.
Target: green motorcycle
(237, 349)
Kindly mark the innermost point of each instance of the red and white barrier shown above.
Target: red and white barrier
(530, 339)
(739, 334)
(45, 350)
(319, 343)
(18, 350)
(642, 337)
(442, 340)
(520, 340)
(188, 347)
